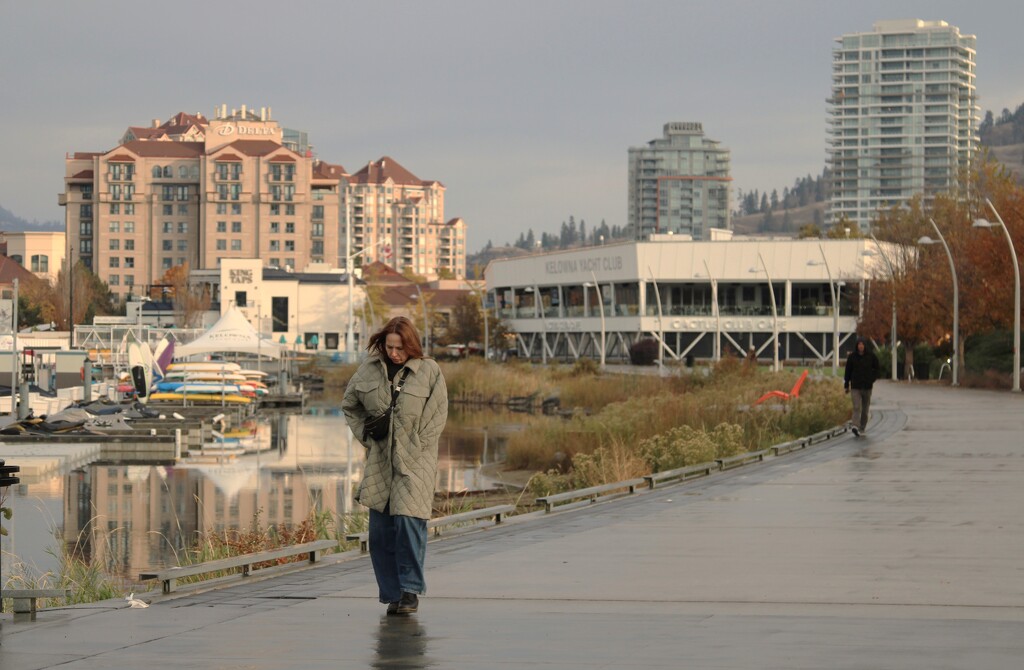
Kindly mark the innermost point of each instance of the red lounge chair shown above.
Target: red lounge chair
(795, 393)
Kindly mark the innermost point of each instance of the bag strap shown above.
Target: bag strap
(398, 387)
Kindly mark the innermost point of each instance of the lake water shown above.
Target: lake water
(136, 518)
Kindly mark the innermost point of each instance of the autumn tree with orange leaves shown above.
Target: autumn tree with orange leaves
(923, 283)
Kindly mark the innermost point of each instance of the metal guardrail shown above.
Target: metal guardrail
(498, 512)
(246, 562)
(593, 493)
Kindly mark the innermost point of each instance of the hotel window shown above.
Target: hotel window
(167, 193)
(182, 210)
(236, 226)
(115, 208)
(129, 226)
(289, 210)
(289, 245)
(85, 211)
(318, 247)
(167, 172)
(183, 227)
(275, 245)
(236, 191)
(222, 245)
(167, 245)
(115, 245)
(183, 246)
(222, 191)
(182, 192)
(181, 261)
(289, 195)
(290, 262)
(114, 227)
(129, 245)
(129, 280)
(275, 210)
(279, 314)
(236, 209)
(129, 261)
(222, 208)
(129, 191)
(156, 172)
(318, 230)
(275, 227)
(168, 210)
(40, 263)
(289, 228)
(86, 246)
(236, 245)
(129, 208)
(85, 228)
(275, 262)
(115, 262)
(182, 172)
(222, 226)
(114, 280)
(318, 211)
(165, 263)
(168, 228)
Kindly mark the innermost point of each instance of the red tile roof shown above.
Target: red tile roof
(324, 170)
(383, 170)
(11, 270)
(121, 158)
(84, 174)
(281, 158)
(227, 158)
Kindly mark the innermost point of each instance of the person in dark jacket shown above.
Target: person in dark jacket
(861, 373)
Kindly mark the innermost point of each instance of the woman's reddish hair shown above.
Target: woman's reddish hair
(402, 327)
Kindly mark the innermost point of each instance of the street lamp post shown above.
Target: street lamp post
(717, 349)
(600, 304)
(426, 322)
(661, 323)
(983, 223)
(775, 313)
(892, 279)
(349, 333)
(483, 306)
(832, 289)
(956, 301)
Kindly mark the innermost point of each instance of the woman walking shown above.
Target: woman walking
(401, 455)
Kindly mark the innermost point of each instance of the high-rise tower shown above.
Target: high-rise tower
(903, 116)
(679, 184)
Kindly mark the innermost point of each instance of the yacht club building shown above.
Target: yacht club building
(699, 299)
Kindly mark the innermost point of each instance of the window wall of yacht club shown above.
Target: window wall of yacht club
(685, 295)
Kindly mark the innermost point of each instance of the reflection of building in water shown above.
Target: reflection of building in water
(137, 518)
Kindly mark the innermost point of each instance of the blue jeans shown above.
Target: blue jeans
(398, 548)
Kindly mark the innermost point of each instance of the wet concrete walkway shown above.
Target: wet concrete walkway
(902, 549)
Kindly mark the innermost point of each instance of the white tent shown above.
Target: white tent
(232, 334)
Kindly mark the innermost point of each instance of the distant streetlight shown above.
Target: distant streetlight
(775, 312)
(956, 300)
(984, 223)
(426, 323)
(600, 304)
(661, 322)
(892, 280)
(349, 334)
(835, 309)
(717, 349)
(483, 306)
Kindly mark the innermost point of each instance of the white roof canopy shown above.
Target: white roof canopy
(232, 334)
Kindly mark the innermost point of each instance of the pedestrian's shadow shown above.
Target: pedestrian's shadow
(401, 643)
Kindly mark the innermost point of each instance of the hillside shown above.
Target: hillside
(1012, 156)
(783, 222)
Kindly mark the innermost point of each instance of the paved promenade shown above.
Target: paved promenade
(903, 549)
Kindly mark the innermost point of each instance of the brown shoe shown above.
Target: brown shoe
(408, 604)
(392, 608)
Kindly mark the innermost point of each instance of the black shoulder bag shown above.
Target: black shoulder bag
(377, 427)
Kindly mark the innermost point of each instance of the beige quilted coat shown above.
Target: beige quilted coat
(403, 468)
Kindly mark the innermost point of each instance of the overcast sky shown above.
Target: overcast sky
(524, 110)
